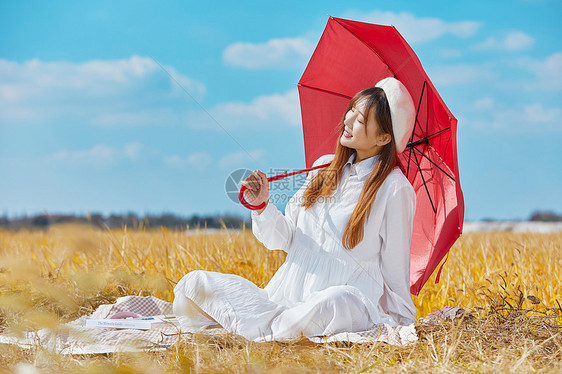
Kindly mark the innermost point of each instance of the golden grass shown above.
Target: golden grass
(510, 284)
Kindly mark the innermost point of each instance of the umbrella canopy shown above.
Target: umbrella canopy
(352, 56)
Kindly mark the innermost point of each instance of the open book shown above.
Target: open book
(142, 323)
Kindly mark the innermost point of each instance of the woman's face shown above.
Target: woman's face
(366, 138)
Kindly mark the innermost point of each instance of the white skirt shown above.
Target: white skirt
(243, 308)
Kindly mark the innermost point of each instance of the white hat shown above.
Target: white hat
(402, 110)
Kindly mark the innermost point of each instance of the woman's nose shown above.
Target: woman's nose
(348, 121)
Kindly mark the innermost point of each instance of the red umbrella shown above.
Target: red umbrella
(352, 56)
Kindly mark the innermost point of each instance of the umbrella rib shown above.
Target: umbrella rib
(434, 164)
(414, 130)
(409, 159)
(424, 184)
(426, 112)
(326, 91)
(367, 44)
(419, 106)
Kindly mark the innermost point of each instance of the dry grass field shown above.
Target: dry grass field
(509, 284)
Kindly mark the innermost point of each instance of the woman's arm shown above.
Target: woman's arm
(275, 230)
(396, 234)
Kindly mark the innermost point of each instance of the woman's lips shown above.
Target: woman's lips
(346, 134)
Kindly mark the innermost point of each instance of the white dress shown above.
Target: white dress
(321, 288)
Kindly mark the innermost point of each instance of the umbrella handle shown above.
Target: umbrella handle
(271, 179)
(247, 204)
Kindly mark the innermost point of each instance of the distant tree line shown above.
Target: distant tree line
(545, 217)
(130, 220)
(537, 216)
(169, 220)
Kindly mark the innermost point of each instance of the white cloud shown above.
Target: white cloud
(284, 53)
(266, 110)
(200, 159)
(11, 92)
(271, 110)
(415, 29)
(133, 151)
(547, 71)
(532, 118)
(204, 160)
(518, 40)
(274, 54)
(450, 53)
(461, 74)
(485, 103)
(101, 155)
(142, 118)
(240, 158)
(127, 92)
(539, 114)
(197, 160)
(513, 41)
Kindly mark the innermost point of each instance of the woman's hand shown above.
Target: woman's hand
(257, 191)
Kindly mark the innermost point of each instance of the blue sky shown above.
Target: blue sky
(90, 122)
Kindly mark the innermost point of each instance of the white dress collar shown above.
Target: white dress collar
(362, 168)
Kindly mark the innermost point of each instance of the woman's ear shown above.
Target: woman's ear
(383, 139)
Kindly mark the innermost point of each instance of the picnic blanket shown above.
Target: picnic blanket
(75, 338)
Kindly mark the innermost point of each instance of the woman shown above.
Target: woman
(347, 234)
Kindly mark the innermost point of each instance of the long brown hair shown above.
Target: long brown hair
(325, 182)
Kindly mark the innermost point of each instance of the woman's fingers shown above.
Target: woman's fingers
(262, 177)
(249, 182)
(257, 187)
(254, 181)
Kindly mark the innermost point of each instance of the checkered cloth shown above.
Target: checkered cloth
(399, 335)
(75, 338)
